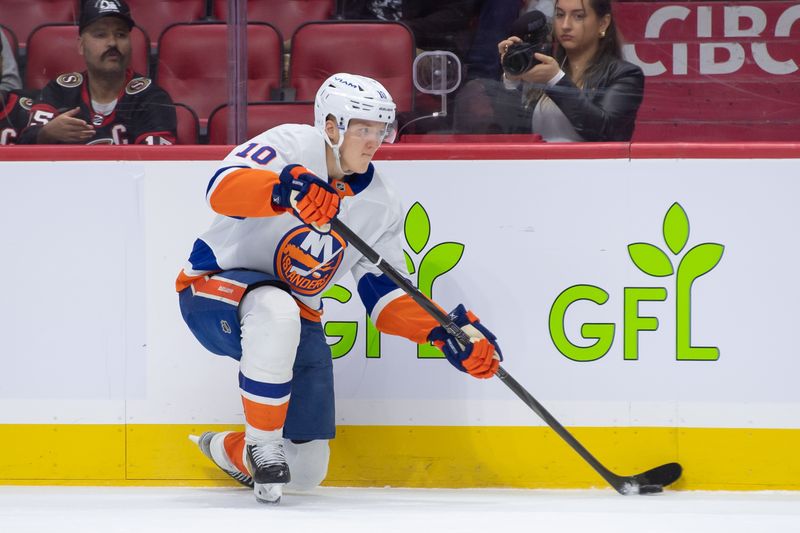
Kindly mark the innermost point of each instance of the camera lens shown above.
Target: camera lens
(519, 59)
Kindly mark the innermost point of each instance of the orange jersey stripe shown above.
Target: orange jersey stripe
(404, 317)
(205, 286)
(246, 192)
(264, 417)
(234, 447)
(308, 313)
(184, 280)
(219, 289)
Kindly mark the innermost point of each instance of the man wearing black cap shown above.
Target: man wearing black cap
(108, 103)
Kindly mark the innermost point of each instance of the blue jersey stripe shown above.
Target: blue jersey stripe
(359, 182)
(372, 288)
(265, 390)
(202, 257)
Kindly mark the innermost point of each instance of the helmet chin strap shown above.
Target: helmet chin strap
(336, 152)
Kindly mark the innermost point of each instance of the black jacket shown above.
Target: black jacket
(15, 107)
(144, 113)
(606, 109)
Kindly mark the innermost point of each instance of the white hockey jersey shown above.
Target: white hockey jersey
(249, 233)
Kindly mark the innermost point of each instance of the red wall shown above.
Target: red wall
(716, 70)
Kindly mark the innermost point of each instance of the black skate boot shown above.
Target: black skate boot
(267, 462)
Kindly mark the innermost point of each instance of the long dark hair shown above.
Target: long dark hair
(609, 49)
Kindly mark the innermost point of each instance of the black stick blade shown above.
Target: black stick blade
(661, 475)
(650, 482)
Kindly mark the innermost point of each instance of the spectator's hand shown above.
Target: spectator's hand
(66, 128)
(502, 48)
(543, 72)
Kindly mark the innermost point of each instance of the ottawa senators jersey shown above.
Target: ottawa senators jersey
(144, 113)
(15, 108)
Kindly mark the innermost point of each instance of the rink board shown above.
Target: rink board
(413, 456)
(595, 267)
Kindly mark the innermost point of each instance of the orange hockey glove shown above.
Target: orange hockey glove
(311, 199)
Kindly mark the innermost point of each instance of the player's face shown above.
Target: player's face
(577, 26)
(106, 46)
(361, 140)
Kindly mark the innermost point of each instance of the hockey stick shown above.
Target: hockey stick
(650, 481)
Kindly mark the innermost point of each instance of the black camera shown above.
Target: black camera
(534, 31)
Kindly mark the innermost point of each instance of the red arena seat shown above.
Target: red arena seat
(193, 64)
(53, 50)
(22, 16)
(154, 17)
(188, 125)
(320, 49)
(261, 116)
(286, 15)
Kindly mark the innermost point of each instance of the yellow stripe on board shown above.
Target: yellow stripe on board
(406, 456)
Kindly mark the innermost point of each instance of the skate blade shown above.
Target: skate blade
(269, 493)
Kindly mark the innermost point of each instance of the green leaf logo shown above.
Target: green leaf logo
(409, 263)
(439, 260)
(417, 227)
(436, 262)
(650, 259)
(676, 228)
(702, 259)
(653, 261)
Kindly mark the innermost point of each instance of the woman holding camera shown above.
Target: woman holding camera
(586, 91)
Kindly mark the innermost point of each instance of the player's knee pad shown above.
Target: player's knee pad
(270, 321)
(308, 463)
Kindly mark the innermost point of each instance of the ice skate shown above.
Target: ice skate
(204, 441)
(267, 462)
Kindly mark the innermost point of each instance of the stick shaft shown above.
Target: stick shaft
(445, 321)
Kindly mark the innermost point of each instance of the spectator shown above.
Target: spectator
(14, 109)
(584, 92)
(441, 25)
(9, 73)
(496, 17)
(108, 103)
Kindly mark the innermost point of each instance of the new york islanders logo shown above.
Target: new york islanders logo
(307, 260)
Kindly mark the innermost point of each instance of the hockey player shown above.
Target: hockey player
(252, 286)
(108, 103)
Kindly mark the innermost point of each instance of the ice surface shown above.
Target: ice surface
(351, 510)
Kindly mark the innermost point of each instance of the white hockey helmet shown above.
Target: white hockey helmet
(348, 96)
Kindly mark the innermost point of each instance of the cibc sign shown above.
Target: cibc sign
(707, 39)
